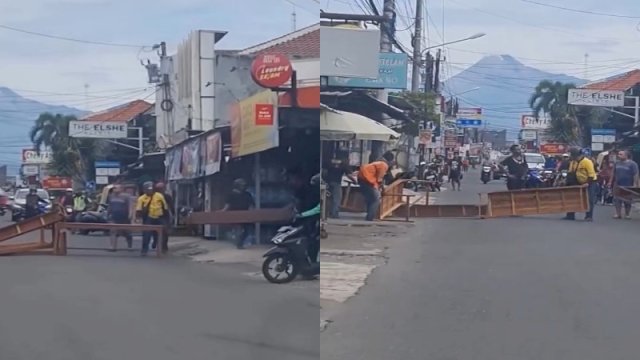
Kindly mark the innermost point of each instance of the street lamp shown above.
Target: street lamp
(472, 37)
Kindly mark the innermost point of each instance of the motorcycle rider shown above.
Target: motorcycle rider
(80, 202)
(32, 201)
(67, 198)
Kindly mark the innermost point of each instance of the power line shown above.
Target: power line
(64, 38)
(581, 11)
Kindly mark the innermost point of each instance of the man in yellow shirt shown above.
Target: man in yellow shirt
(151, 208)
(582, 172)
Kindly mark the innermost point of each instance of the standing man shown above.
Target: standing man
(517, 168)
(370, 179)
(240, 199)
(151, 207)
(336, 169)
(161, 189)
(455, 170)
(119, 212)
(625, 173)
(582, 172)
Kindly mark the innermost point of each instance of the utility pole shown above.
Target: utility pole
(417, 47)
(436, 75)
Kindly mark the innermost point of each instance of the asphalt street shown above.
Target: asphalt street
(95, 305)
(519, 288)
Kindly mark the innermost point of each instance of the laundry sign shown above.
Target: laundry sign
(98, 129)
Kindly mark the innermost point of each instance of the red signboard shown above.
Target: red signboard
(450, 139)
(57, 182)
(271, 70)
(553, 149)
(264, 114)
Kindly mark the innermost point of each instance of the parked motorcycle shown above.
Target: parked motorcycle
(548, 177)
(485, 175)
(290, 256)
(533, 179)
(93, 217)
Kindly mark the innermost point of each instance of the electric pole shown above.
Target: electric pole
(387, 32)
(436, 74)
(417, 47)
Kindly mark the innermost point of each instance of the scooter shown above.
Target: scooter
(485, 175)
(290, 257)
(93, 217)
(533, 180)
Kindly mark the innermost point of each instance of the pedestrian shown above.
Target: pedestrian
(582, 172)
(336, 170)
(625, 173)
(517, 168)
(151, 207)
(370, 179)
(119, 212)
(240, 200)
(455, 170)
(161, 189)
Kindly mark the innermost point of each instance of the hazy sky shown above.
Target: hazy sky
(32, 64)
(543, 37)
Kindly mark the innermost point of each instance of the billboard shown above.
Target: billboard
(533, 123)
(30, 156)
(392, 74)
(98, 129)
(250, 132)
(529, 135)
(349, 52)
(588, 97)
(450, 138)
(554, 148)
(469, 113)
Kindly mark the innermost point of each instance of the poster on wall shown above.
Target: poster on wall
(191, 159)
(174, 157)
(212, 153)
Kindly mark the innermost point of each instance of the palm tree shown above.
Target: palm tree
(551, 98)
(71, 156)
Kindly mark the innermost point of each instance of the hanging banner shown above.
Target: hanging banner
(249, 136)
(425, 137)
(190, 168)
(212, 153)
(173, 163)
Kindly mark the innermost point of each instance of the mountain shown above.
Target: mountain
(17, 116)
(504, 88)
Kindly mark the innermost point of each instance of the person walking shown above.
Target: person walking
(517, 168)
(150, 208)
(119, 212)
(240, 200)
(370, 179)
(582, 172)
(161, 189)
(336, 169)
(625, 173)
(455, 170)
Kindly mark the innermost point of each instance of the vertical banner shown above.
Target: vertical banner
(254, 124)
(212, 153)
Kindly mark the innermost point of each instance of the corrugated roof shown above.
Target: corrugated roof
(300, 44)
(121, 113)
(622, 82)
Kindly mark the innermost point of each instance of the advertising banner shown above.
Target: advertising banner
(30, 156)
(57, 182)
(30, 170)
(392, 75)
(212, 153)
(247, 135)
(98, 129)
(450, 138)
(529, 135)
(532, 123)
(553, 148)
(425, 137)
(588, 97)
(469, 113)
(173, 158)
(191, 159)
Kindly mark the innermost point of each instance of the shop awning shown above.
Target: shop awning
(341, 126)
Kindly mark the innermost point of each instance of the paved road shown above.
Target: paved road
(101, 306)
(518, 288)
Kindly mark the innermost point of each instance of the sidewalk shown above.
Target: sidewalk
(215, 251)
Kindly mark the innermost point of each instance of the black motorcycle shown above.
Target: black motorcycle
(485, 175)
(289, 257)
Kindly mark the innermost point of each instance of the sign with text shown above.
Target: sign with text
(529, 135)
(588, 97)
(553, 148)
(468, 123)
(98, 129)
(264, 114)
(30, 170)
(392, 75)
(606, 136)
(30, 156)
(469, 113)
(533, 123)
(247, 137)
(57, 182)
(425, 137)
(450, 138)
(271, 70)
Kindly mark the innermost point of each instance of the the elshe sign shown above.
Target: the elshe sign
(98, 129)
(587, 97)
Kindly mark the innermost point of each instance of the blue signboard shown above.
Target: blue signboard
(107, 164)
(393, 75)
(603, 131)
(90, 185)
(468, 122)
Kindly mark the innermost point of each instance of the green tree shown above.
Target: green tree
(424, 105)
(71, 157)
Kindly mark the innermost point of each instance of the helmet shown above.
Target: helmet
(565, 155)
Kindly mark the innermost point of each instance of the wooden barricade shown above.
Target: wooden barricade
(38, 223)
(241, 216)
(627, 193)
(62, 229)
(538, 201)
(392, 198)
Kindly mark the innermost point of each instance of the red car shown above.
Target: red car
(4, 202)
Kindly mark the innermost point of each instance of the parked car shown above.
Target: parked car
(20, 201)
(4, 202)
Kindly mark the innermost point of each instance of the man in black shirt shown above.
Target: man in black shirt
(240, 199)
(336, 169)
(517, 168)
(455, 170)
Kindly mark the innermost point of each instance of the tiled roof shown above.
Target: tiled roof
(300, 44)
(621, 82)
(121, 113)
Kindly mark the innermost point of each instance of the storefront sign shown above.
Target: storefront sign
(532, 123)
(469, 113)
(425, 137)
(247, 137)
(529, 135)
(212, 153)
(392, 75)
(57, 182)
(450, 139)
(271, 70)
(30, 170)
(33, 157)
(264, 114)
(553, 149)
(98, 129)
(588, 97)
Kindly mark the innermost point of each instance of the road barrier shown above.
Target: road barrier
(38, 223)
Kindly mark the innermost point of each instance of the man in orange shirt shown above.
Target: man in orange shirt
(370, 179)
